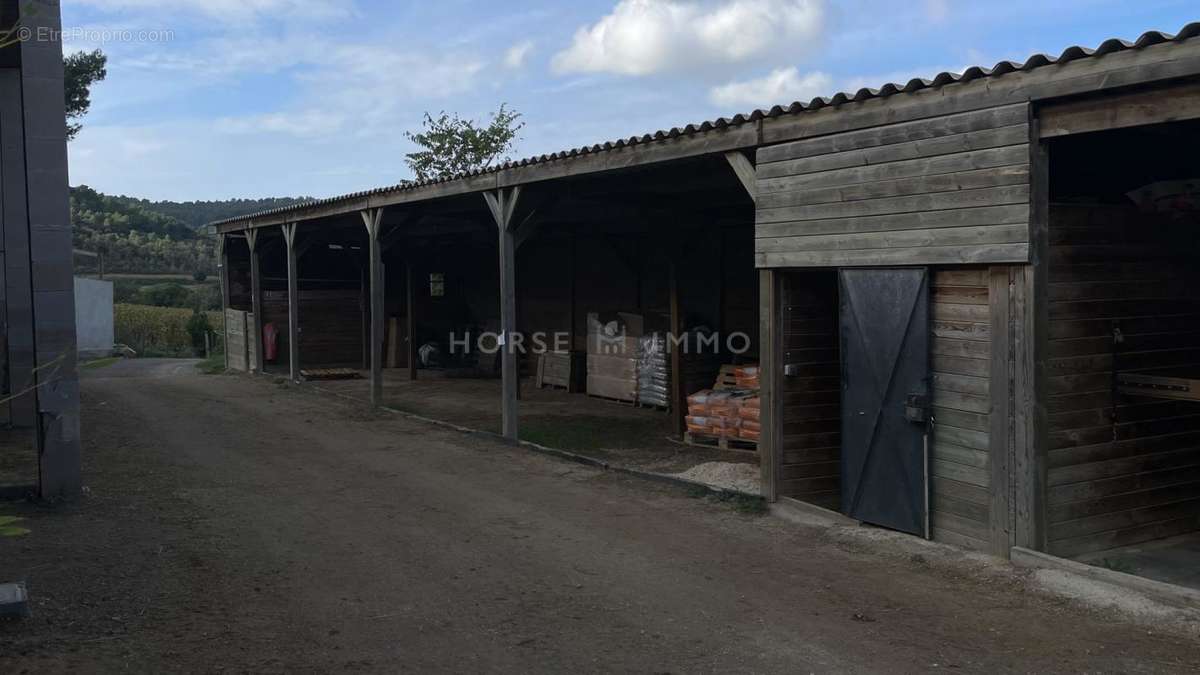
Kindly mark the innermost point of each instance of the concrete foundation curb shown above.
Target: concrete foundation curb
(796, 511)
(1158, 591)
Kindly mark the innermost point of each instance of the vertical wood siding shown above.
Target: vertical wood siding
(1118, 482)
(945, 190)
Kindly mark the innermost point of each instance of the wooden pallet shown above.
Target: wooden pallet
(610, 399)
(330, 374)
(721, 442)
(726, 378)
(652, 406)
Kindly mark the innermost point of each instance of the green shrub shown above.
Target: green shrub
(199, 276)
(167, 295)
(198, 329)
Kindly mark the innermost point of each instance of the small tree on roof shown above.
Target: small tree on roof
(454, 146)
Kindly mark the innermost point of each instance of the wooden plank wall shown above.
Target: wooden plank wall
(961, 349)
(810, 445)
(944, 190)
(1109, 484)
(330, 325)
(235, 328)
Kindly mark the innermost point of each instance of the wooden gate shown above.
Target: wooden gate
(885, 386)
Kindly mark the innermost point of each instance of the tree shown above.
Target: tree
(80, 71)
(454, 146)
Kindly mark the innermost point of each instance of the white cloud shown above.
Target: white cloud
(517, 54)
(781, 87)
(363, 91)
(641, 37)
(303, 123)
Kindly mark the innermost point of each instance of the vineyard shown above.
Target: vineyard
(163, 331)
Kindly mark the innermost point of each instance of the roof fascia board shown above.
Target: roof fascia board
(681, 147)
(1089, 75)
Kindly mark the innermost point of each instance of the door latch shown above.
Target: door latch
(916, 408)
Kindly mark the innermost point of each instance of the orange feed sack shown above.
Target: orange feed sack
(749, 414)
(748, 434)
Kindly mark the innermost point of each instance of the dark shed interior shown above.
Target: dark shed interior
(1124, 341)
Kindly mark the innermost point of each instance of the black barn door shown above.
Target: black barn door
(885, 385)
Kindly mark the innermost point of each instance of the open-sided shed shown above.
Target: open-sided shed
(958, 336)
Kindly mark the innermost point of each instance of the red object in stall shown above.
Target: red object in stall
(270, 342)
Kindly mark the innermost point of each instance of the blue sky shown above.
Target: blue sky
(252, 98)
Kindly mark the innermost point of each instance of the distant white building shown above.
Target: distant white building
(93, 317)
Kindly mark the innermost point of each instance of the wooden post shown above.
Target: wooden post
(678, 395)
(770, 384)
(255, 300)
(372, 218)
(1030, 317)
(364, 308)
(223, 276)
(410, 302)
(289, 237)
(502, 203)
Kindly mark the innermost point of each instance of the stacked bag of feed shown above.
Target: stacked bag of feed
(746, 377)
(749, 412)
(731, 413)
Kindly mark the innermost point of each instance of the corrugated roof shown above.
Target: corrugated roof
(916, 84)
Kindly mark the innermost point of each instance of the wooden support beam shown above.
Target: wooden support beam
(502, 204)
(1030, 319)
(223, 275)
(771, 382)
(293, 275)
(743, 168)
(255, 300)
(528, 227)
(410, 304)
(1138, 108)
(678, 395)
(372, 218)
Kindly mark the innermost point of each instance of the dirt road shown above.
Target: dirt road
(237, 525)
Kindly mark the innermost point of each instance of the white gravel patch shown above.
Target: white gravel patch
(727, 475)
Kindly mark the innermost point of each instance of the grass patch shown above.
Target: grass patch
(582, 434)
(213, 365)
(96, 364)
(9, 527)
(754, 506)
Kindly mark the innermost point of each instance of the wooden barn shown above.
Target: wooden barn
(971, 299)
